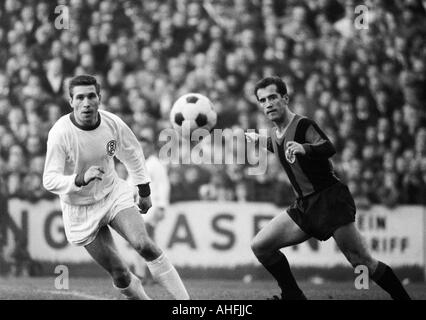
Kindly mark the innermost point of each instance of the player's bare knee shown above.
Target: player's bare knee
(147, 249)
(255, 246)
(121, 276)
(359, 259)
(354, 262)
(258, 247)
(368, 261)
(143, 248)
(352, 257)
(364, 258)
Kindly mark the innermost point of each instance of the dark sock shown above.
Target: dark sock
(278, 266)
(388, 281)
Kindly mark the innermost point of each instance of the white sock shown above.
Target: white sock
(166, 275)
(135, 290)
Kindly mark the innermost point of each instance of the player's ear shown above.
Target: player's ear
(70, 101)
(286, 98)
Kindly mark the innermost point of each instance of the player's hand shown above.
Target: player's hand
(93, 173)
(251, 136)
(144, 204)
(294, 148)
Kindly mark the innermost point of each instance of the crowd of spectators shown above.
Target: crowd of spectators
(364, 87)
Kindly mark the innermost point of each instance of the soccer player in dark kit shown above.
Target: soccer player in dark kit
(324, 206)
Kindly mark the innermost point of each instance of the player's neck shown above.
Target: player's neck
(85, 127)
(283, 125)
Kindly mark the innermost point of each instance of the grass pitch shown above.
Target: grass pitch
(101, 289)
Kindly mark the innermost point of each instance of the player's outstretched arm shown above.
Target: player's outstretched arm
(317, 143)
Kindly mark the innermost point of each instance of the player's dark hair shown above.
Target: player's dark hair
(279, 83)
(83, 80)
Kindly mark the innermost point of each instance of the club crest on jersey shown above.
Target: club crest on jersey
(291, 158)
(111, 147)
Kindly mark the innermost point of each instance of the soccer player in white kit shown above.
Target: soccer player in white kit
(79, 168)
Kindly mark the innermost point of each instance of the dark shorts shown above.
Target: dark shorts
(322, 213)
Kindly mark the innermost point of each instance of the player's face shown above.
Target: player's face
(272, 103)
(85, 102)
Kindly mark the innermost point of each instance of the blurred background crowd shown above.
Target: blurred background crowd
(364, 87)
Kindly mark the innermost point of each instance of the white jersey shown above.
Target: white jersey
(160, 185)
(72, 150)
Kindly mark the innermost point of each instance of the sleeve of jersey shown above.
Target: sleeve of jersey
(131, 154)
(54, 179)
(317, 143)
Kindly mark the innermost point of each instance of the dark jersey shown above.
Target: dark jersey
(309, 173)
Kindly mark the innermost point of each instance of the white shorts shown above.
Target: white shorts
(82, 223)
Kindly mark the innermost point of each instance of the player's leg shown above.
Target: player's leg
(353, 246)
(141, 268)
(130, 225)
(280, 232)
(103, 251)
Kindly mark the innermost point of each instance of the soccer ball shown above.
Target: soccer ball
(192, 111)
